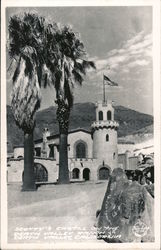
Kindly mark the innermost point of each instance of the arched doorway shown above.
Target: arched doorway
(40, 172)
(86, 174)
(103, 173)
(75, 173)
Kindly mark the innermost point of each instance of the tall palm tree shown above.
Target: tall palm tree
(67, 64)
(26, 37)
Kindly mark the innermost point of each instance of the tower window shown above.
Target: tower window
(114, 155)
(108, 115)
(107, 137)
(100, 116)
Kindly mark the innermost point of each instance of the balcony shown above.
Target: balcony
(102, 124)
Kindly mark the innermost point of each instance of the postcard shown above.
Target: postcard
(80, 124)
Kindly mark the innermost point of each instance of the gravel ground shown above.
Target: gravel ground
(54, 212)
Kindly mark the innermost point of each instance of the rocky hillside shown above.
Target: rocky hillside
(140, 135)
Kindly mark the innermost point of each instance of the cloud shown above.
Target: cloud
(100, 64)
(136, 63)
(141, 46)
(133, 40)
(135, 52)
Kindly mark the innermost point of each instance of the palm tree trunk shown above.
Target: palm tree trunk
(63, 160)
(29, 178)
(63, 112)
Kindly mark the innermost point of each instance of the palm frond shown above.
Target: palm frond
(17, 71)
(48, 54)
(68, 94)
(26, 98)
(80, 67)
(88, 64)
(77, 77)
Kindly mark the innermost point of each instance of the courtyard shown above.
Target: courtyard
(54, 212)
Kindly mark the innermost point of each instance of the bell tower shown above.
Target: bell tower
(104, 132)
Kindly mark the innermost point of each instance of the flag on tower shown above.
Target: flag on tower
(108, 81)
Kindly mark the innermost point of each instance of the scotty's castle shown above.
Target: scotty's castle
(91, 155)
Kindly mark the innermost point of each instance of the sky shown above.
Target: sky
(119, 41)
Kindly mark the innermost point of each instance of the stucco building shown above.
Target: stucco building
(92, 154)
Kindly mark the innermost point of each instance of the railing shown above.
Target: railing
(105, 123)
(80, 159)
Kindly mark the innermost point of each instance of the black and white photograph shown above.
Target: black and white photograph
(80, 140)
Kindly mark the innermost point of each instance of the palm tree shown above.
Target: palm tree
(67, 63)
(26, 36)
(52, 54)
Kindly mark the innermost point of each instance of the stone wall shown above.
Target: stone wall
(51, 167)
(15, 170)
(16, 167)
(18, 152)
(127, 162)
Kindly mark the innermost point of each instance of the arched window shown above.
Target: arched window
(107, 137)
(100, 116)
(108, 115)
(75, 173)
(81, 150)
(114, 155)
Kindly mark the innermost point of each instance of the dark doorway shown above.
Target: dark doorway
(86, 174)
(103, 173)
(75, 173)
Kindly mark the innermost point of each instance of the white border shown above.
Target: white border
(157, 120)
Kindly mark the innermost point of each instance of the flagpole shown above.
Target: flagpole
(104, 97)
